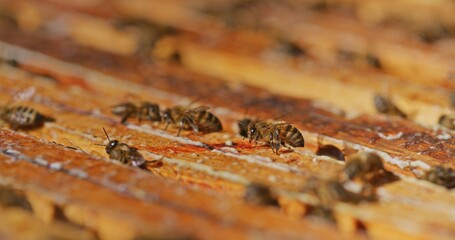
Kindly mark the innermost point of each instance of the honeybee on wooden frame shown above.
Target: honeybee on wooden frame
(143, 111)
(275, 134)
(22, 117)
(198, 119)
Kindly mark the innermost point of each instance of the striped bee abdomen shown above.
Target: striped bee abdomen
(25, 117)
(149, 111)
(207, 122)
(290, 135)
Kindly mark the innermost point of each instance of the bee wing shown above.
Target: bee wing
(200, 109)
(137, 160)
(24, 95)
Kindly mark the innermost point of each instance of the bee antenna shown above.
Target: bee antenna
(75, 145)
(106, 135)
(97, 144)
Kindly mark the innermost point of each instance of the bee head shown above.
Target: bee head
(243, 127)
(154, 111)
(252, 130)
(111, 145)
(167, 114)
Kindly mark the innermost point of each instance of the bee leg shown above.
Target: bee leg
(256, 140)
(277, 147)
(167, 125)
(180, 128)
(193, 125)
(272, 146)
(182, 122)
(275, 141)
(125, 117)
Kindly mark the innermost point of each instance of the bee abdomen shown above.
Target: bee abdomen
(150, 111)
(123, 107)
(22, 116)
(208, 122)
(385, 106)
(292, 136)
(352, 169)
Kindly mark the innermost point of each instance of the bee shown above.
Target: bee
(330, 151)
(373, 61)
(437, 32)
(386, 106)
(143, 111)
(22, 117)
(149, 33)
(290, 48)
(448, 121)
(275, 134)
(11, 198)
(363, 165)
(330, 191)
(123, 153)
(11, 62)
(198, 119)
(259, 194)
(440, 175)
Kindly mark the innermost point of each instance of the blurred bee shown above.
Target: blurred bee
(290, 48)
(373, 61)
(22, 117)
(275, 134)
(9, 197)
(123, 153)
(386, 106)
(143, 111)
(435, 33)
(259, 194)
(440, 175)
(149, 33)
(447, 121)
(198, 119)
(328, 192)
(330, 151)
(362, 165)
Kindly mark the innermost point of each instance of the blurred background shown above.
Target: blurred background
(335, 51)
